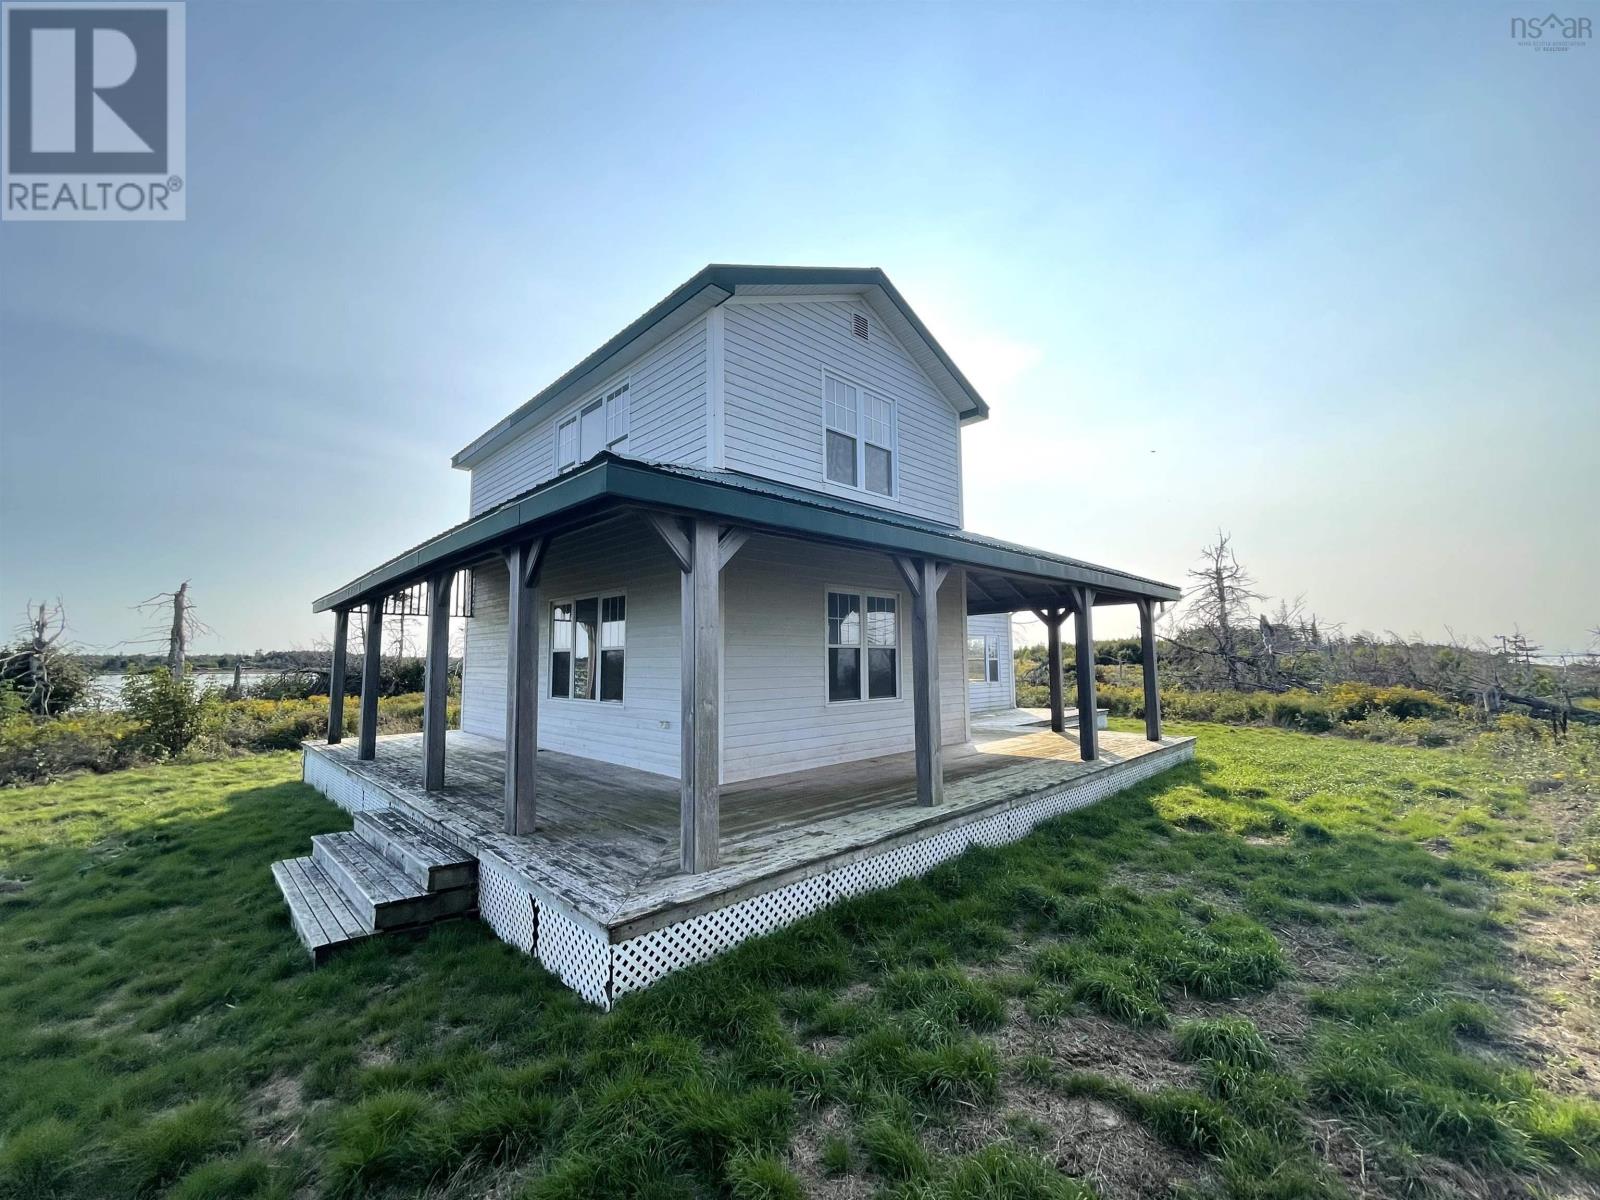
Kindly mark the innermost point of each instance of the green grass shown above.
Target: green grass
(165, 1035)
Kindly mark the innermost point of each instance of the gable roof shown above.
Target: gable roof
(708, 288)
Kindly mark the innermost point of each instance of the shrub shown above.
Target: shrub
(171, 713)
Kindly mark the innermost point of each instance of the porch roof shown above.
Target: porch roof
(1001, 576)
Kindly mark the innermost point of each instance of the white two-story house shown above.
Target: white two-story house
(725, 634)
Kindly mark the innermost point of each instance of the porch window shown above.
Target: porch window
(588, 641)
(983, 659)
(860, 437)
(852, 632)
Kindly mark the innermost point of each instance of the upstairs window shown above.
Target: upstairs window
(860, 437)
(600, 423)
(842, 442)
(863, 647)
(617, 416)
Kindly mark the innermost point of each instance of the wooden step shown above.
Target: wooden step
(424, 856)
(381, 892)
(318, 909)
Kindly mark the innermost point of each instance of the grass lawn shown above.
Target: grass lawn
(1298, 967)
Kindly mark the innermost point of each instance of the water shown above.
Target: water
(105, 691)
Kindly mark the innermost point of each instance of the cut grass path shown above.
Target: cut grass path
(1285, 970)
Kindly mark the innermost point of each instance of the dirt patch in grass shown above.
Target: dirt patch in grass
(1555, 1025)
(1143, 1058)
(805, 1159)
(1084, 1138)
(276, 1110)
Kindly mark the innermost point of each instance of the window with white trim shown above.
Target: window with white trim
(616, 416)
(863, 646)
(858, 436)
(588, 640)
(599, 423)
(983, 658)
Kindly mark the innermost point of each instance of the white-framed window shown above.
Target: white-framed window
(616, 416)
(983, 658)
(863, 646)
(598, 423)
(588, 643)
(859, 437)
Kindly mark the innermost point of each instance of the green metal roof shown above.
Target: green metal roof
(608, 483)
(705, 290)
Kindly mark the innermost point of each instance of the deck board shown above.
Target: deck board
(606, 837)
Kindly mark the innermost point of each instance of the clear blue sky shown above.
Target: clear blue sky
(1326, 276)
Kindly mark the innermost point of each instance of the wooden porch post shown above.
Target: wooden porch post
(1083, 648)
(523, 563)
(923, 577)
(701, 550)
(1052, 618)
(341, 646)
(371, 660)
(1147, 651)
(436, 680)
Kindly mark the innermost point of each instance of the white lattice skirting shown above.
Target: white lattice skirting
(582, 955)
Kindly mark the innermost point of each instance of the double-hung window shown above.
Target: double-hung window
(588, 639)
(859, 437)
(600, 423)
(983, 658)
(863, 646)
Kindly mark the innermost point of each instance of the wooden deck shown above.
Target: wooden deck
(606, 839)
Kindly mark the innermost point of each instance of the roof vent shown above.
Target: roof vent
(860, 326)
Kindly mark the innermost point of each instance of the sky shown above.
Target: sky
(1325, 277)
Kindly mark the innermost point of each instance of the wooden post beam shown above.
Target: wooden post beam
(371, 662)
(923, 577)
(700, 765)
(436, 681)
(1053, 618)
(523, 564)
(1152, 687)
(1083, 648)
(341, 647)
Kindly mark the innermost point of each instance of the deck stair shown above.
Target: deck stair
(388, 873)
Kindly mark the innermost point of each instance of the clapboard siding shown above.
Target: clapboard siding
(776, 716)
(775, 713)
(775, 355)
(642, 731)
(667, 421)
(985, 697)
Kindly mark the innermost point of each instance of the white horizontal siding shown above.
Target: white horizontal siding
(776, 717)
(986, 697)
(667, 422)
(775, 356)
(642, 731)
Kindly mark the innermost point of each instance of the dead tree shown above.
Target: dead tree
(1220, 609)
(184, 628)
(40, 661)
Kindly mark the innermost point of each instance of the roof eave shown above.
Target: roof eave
(611, 481)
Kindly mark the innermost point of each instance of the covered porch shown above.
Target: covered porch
(605, 840)
(703, 520)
